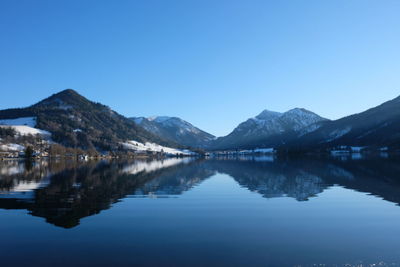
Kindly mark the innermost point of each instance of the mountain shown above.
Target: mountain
(378, 126)
(270, 129)
(75, 121)
(72, 120)
(176, 130)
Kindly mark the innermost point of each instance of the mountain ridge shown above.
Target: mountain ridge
(176, 130)
(377, 126)
(268, 129)
(75, 121)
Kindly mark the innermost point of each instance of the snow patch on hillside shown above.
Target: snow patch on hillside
(12, 147)
(175, 129)
(338, 133)
(300, 118)
(183, 126)
(26, 130)
(309, 129)
(24, 126)
(268, 115)
(137, 146)
(158, 119)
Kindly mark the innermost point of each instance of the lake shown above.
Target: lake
(192, 212)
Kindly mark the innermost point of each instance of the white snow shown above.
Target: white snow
(156, 124)
(300, 118)
(269, 123)
(268, 115)
(338, 133)
(158, 119)
(26, 130)
(24, 126)
(309, 129)
(77, 130)
(27, 121)
(12, 147)
(137, 146)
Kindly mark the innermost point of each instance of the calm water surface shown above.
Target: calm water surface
(181, 212)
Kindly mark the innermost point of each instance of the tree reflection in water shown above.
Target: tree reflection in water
(63, 192)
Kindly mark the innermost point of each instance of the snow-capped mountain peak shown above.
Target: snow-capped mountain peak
(159, 119)
(298, 111)
(175, 129)
(269, 127)
(300, 118)
(267, 115)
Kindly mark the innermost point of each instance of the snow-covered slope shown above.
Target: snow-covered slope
(140, 147)
(10, 147)
(175, 129)
(75, 121)
(299, 118)
(270, 128)
(26, 130)
(269, 122)
(24, 126)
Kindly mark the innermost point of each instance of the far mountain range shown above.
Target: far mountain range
(74, 121)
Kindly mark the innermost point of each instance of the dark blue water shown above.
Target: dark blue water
(176, 212)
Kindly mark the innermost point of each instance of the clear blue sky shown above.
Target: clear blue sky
(213, 63)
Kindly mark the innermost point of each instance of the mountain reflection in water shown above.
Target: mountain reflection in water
(63, 192)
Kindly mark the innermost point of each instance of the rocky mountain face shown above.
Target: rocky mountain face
(270, 129)
(176, 130)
